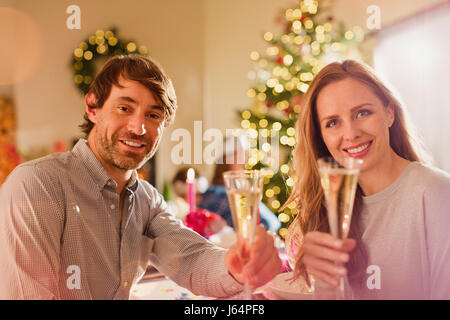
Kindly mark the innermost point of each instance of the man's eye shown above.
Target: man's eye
(155, 116)
(331, 123)
(123, 108)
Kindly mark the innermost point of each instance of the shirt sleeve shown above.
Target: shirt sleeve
(31, 223)
(436, 201)
(186, 257)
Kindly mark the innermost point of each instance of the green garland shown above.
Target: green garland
(100, 44)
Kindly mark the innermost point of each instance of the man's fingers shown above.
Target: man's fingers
(262, 242)
(262, 271)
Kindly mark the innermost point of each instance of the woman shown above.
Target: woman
(398, 246)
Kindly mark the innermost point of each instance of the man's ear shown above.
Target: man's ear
(90, 107)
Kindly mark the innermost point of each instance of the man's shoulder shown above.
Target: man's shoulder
(145, 188)
(50, 168)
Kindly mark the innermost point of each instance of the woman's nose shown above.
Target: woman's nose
(351, 131)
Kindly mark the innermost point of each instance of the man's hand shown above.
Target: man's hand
(257, 263)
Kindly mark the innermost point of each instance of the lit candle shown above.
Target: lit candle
(190, 181)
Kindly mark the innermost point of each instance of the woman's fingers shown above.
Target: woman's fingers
(326, 266)
(318, 274)
(324, 239)
(325, 253)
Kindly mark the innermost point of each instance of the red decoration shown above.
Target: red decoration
(13, 155)
(204, 222)
(59, 146)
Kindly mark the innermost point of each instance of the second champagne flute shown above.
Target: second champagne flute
(339, 180)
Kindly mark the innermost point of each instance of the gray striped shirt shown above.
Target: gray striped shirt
(60, 236)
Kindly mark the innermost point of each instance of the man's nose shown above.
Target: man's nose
(136, 125)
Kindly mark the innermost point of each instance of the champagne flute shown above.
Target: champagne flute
(339, 180)
(244, 190)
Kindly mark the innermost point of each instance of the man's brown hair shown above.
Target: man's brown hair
(142, 69)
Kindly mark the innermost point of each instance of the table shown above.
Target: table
(165, 289)
(155, 286)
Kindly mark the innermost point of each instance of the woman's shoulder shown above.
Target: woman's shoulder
(429, 176)
(433, 182)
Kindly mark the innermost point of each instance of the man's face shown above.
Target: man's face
(128, 128)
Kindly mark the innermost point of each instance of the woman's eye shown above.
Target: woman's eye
(123, 108)
(331, 123)
(363, 113)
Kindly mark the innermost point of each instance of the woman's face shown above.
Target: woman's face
(354, 123)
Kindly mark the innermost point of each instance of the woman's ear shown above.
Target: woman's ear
(390, 110)
(89, 104)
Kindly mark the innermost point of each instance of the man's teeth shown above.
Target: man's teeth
(359, 149)
(133, 144)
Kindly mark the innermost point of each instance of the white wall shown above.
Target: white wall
(50, 107)
(413, 56)
(204, 45)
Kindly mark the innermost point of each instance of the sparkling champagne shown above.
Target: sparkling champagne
(339, 186)
(244, 189)
(244, 209)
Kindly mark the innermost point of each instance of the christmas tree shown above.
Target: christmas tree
(312, 38)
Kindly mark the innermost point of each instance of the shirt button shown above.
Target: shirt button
(125, 284)
(112, 207)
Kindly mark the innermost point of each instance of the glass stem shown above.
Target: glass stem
(247, 291)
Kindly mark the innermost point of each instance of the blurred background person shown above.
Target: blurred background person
(215, 198)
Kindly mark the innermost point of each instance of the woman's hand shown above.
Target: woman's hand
(322, 251)
(257, 263)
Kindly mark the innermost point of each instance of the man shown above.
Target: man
(81, 225)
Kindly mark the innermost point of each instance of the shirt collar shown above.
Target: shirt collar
(95, 168)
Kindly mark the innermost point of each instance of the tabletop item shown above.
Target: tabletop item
(244, 190)
(339, 180)
(163, 289)
(225, 238)
(283, 287)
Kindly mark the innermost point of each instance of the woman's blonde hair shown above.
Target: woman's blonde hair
(307, 192)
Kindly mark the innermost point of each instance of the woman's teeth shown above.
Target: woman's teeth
(359, 149)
